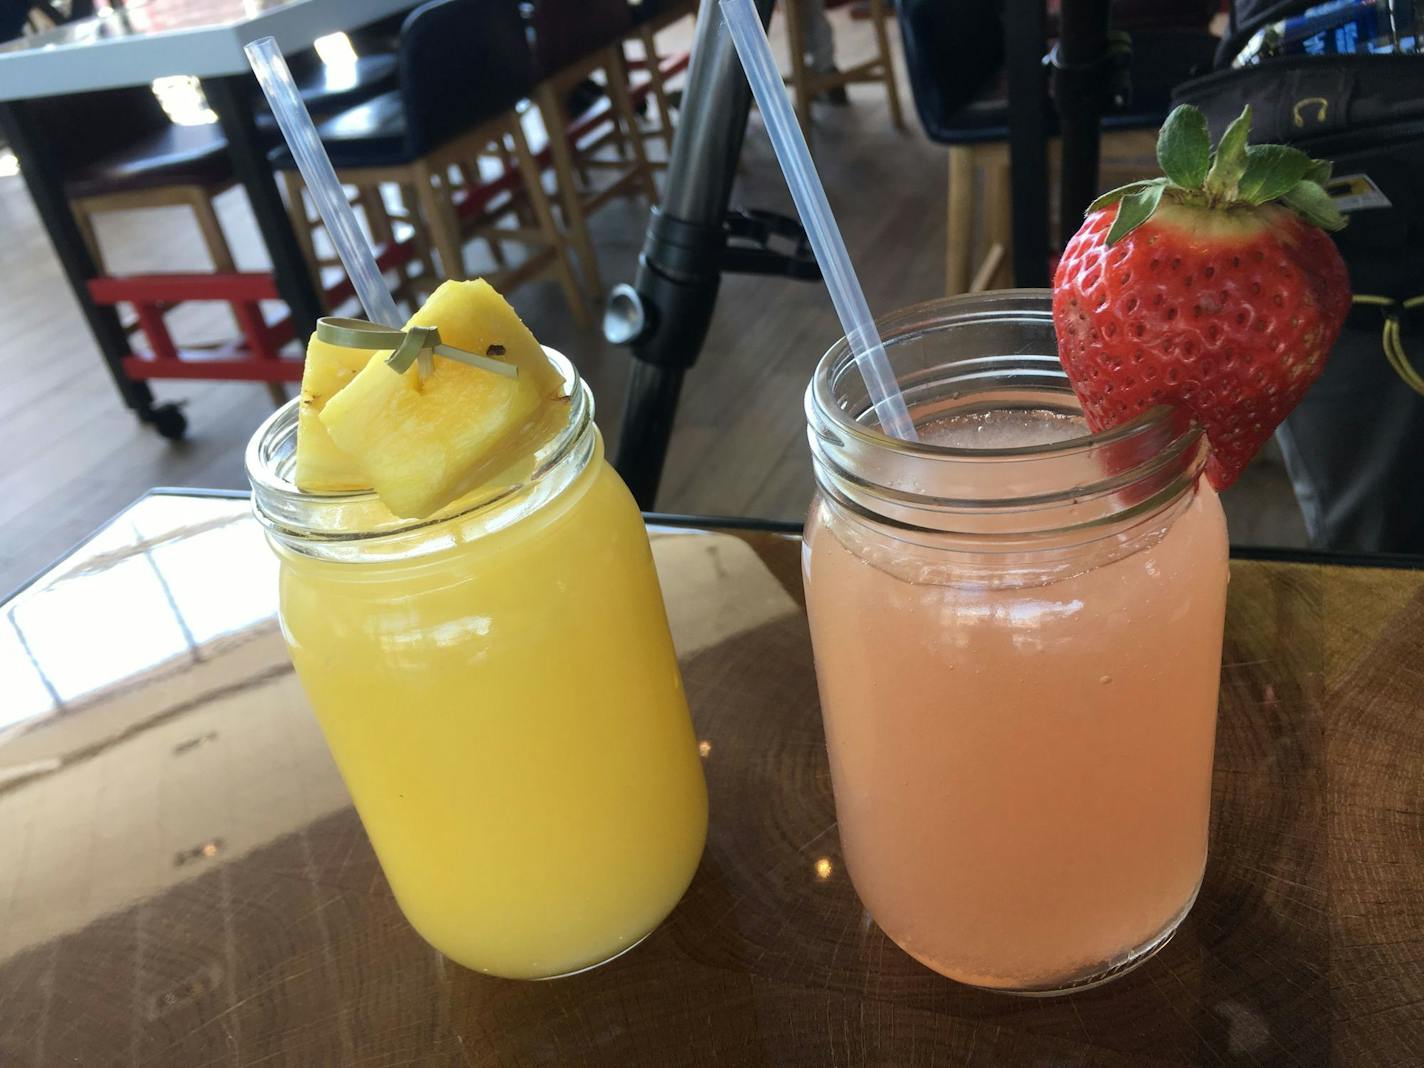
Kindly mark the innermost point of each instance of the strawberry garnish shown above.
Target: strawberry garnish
(1215, 288)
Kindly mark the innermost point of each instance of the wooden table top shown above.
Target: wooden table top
(184, 882)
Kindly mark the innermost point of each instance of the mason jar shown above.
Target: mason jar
(500, 692)
(1017, 629)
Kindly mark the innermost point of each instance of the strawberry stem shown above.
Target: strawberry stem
(1236, 174)
(1229, 163)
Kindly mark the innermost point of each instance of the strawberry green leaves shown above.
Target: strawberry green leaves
(1313, 203)
(1109, 199)
(1229, 163)
(1184, 147)
(1319, 171)
(1309, 198)
(1271, 172)
(1237, 175)
(1261, 174)
(1134, 210)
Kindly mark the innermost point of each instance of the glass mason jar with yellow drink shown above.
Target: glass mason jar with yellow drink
(494, 677)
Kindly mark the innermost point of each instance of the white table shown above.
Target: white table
(148, 39)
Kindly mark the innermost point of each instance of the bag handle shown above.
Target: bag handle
(1392, 334)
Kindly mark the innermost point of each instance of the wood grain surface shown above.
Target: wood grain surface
(183, 882)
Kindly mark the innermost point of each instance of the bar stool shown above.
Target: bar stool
(650, 18)
(806, 83)
(464, 65)
(327, 88)
(382, 35)
(954, 55)
(119, 152)
(573, 41)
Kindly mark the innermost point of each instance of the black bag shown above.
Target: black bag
(1366, 113)
(1355, 445)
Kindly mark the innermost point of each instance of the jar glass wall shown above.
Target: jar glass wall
(1017, 632)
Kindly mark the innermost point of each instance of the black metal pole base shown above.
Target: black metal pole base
(649, 410)
(1081, 80)
(1024, 29)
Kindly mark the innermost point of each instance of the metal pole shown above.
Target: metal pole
(1080, 90)
(665, 313)
(1024, 38)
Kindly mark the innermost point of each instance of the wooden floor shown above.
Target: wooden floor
(74, 455)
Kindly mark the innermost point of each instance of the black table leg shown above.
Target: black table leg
(1024, 39)
(1080, 88)
(46, 185)
(231, 97)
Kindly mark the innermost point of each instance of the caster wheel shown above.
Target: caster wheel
(169, 421)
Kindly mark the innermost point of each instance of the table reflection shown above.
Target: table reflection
(146, 591)
(150, 725)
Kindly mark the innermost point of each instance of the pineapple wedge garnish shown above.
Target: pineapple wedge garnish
(321, 466)
(424, 442)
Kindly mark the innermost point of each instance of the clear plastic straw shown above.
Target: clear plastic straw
(849, 299)
(312, 160)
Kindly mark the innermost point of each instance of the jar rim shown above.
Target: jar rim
(290, 513)
(1003, 305)
(1086, 481)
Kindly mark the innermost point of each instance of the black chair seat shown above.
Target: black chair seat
(444, 91)
(985, 119)
(372, 134)
(172, 155)
(647, 10)
(567, 31)
(952, 112)
(327, 90)
(338, 86)
(383, 35)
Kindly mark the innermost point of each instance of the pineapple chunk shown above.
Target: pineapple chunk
(321, 466)
(424, 443)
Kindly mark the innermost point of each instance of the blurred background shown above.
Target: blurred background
(424, 113)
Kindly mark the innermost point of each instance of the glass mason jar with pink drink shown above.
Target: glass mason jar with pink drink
(1017, 631)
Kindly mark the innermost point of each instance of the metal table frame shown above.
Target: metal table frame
(230, 99)
(213, 52)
